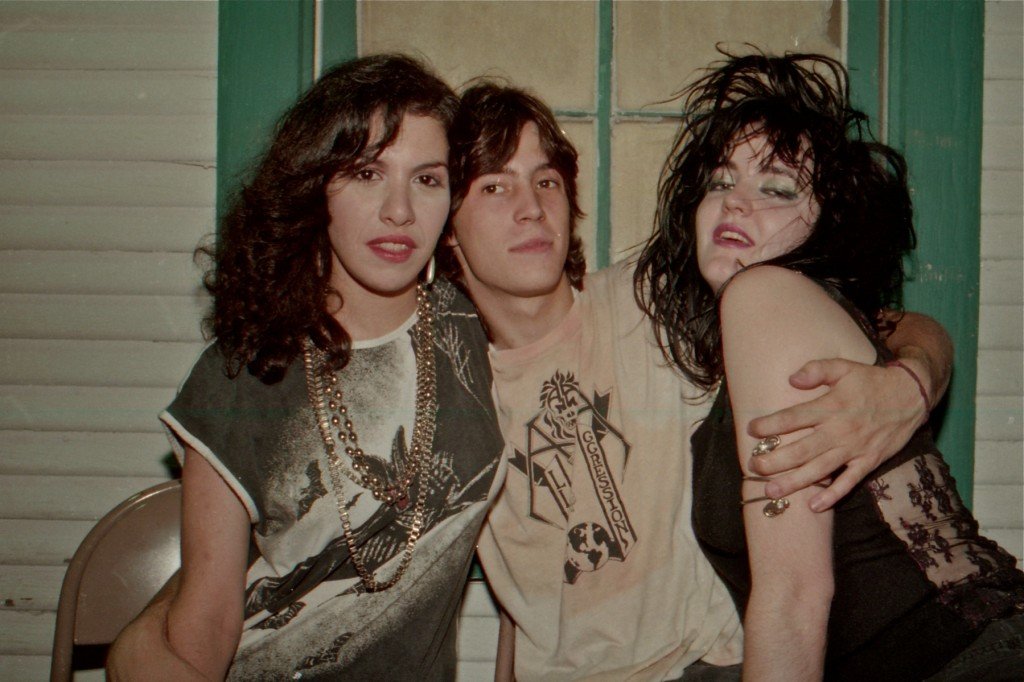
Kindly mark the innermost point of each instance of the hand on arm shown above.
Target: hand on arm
(868, 414)
(772, 321)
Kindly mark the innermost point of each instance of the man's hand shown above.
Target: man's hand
(867, 416)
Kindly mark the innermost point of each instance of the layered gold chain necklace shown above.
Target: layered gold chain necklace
(335, 426)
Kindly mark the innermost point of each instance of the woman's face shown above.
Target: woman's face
(753, 211)
(386, 216)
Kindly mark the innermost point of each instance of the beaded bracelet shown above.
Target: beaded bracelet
(920, 386)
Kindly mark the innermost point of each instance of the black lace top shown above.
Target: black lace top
(914, 581)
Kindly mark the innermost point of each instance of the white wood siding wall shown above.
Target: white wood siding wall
(999, 451)
(107, 146)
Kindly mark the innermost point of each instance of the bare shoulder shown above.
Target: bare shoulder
(790, 312)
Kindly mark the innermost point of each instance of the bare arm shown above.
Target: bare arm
(142, 652)
(867, 416)
(191, 629)
(504, 666)
(772, 321)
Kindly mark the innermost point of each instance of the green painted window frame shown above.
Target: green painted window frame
(257, 80)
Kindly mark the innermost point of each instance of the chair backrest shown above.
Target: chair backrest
(120, 565)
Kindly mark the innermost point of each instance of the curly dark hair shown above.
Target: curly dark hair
(271, 264)
(801, 104)
(483, 138)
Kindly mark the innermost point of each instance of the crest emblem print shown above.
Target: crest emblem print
(574, 463)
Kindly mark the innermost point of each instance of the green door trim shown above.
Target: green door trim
(936, 78)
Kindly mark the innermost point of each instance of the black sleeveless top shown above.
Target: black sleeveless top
(914, 581)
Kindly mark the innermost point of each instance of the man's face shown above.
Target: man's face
(511, 233)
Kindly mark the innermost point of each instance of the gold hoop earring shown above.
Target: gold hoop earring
(431, 270)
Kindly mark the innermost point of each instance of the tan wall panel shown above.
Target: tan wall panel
(84, 453)
(108, 138)
(638, 152)
(548, 46)
(581, 134)
(103, 228)
(70, 316)
(52, 362)
(660, 45)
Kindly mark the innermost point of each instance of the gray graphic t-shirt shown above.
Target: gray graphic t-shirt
(307, 615)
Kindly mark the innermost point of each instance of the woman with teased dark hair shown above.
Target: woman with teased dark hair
(773, 168)
(484, 137)
(338, 439)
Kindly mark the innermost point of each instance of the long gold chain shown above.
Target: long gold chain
(323, 393)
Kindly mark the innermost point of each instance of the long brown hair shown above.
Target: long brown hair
(271, 265)
(483, 138)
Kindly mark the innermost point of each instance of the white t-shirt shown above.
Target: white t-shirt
(589, 546)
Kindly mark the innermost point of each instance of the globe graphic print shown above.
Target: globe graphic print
(588, 546)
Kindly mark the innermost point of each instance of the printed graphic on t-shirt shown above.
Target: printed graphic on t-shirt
(574, 463)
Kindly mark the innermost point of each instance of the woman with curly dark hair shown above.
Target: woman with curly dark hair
(338, 439)
(772, 167)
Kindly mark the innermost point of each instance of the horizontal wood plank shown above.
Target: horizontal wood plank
(26, 632)
(27, 668)
(156, 318)
(107, 183)
(101, 93)
(999, 506)
(1001, 327)
(1002, 237)
(1001, 282)
(1000, 372)
(1001, 147)
(82, 408)
(78, 453)
(99, 272)
(998, 463)
(999, 418)
(40, 543)
(80, 498)
(109, 138)
(1000, 191)
(1004, 59)
(106, 228)
(30, 588)
(48, 362)
(1001, 102)
(37, 45)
